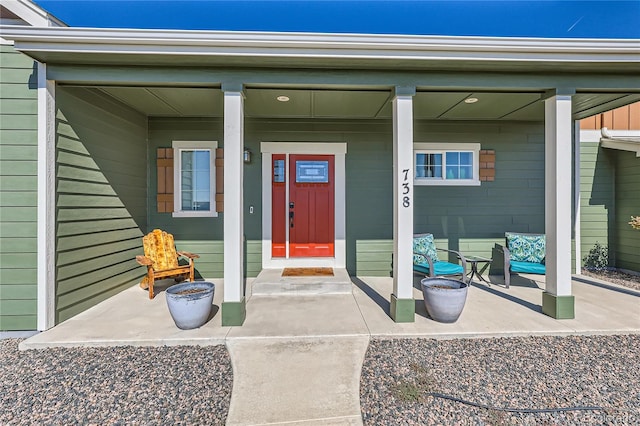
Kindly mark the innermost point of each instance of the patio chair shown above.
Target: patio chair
(426, 261)
(161, 259)
(522, 253)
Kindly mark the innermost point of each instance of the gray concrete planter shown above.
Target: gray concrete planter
(444, 298)
(190, 303)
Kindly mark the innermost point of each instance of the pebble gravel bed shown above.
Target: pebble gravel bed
(178, 385)
(520, 372)
(617, 277)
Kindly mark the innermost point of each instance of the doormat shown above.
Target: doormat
(307, 272)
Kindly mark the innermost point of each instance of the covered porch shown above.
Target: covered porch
(362, 103)
(128, 318)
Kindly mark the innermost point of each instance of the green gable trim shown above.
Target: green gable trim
(558, 307)
(234, 313)
(402, 310)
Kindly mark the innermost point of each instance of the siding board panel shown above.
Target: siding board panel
(18, 137)
(18, 199)
(17, 168)
(18, 322)
(18, 245)
(13, 276)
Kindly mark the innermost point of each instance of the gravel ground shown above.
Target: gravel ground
(522, 373)
(180, 385)
(616, 277)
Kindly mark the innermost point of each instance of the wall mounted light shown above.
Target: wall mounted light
(471, 100)
(283, 98)
(247, 155)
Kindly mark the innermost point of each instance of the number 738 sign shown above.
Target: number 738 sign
(406, 189)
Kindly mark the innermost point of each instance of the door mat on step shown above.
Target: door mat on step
(307, 272)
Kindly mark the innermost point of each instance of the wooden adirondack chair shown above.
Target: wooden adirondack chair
(161, 259)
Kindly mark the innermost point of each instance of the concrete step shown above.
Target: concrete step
(271, 282)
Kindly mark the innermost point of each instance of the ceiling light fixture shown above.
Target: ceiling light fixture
(471, 100)
(283, 98)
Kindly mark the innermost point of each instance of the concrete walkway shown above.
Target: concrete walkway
(296, 381)
(297, 359)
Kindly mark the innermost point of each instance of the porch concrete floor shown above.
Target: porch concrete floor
(297, 359)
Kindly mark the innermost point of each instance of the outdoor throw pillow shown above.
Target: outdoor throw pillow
(425, 246)
(526, 248)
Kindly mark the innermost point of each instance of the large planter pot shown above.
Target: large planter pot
(444, 298)
(190, 303)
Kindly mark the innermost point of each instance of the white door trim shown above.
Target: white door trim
(338, 150)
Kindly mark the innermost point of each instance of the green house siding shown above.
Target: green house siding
(18, 190)
(627, 242)
(101, 169)
(470, 219)
(596, 198)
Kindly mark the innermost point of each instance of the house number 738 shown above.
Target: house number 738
(406, 189)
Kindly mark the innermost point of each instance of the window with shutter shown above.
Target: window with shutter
(196, 179)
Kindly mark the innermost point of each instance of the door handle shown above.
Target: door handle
(291, 219)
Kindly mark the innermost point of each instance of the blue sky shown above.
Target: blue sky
(516, 18)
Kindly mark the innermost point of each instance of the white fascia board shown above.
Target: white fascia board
(633, 135)
(321, 45)
(622, 145)
(623, 140)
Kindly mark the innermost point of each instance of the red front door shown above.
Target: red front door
(311, 206)
(309, 216)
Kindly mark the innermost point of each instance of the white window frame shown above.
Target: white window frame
(443, 148)
(179, 146)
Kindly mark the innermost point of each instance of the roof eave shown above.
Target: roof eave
(626, 140)
(34, 41)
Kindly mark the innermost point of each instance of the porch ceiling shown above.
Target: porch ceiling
(354, 104)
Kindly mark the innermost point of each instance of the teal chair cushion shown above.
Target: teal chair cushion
(528, 267)
(526, 248)
(424, 245)
(440, 267)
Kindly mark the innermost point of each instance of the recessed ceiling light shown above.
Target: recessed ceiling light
(283, 98)
(471, 100)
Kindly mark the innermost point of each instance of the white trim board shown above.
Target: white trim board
(46, 200)
(339, 150)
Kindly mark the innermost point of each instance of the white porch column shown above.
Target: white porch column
(557, 300)
(233, 305)
(402, 302)
(46, 199)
